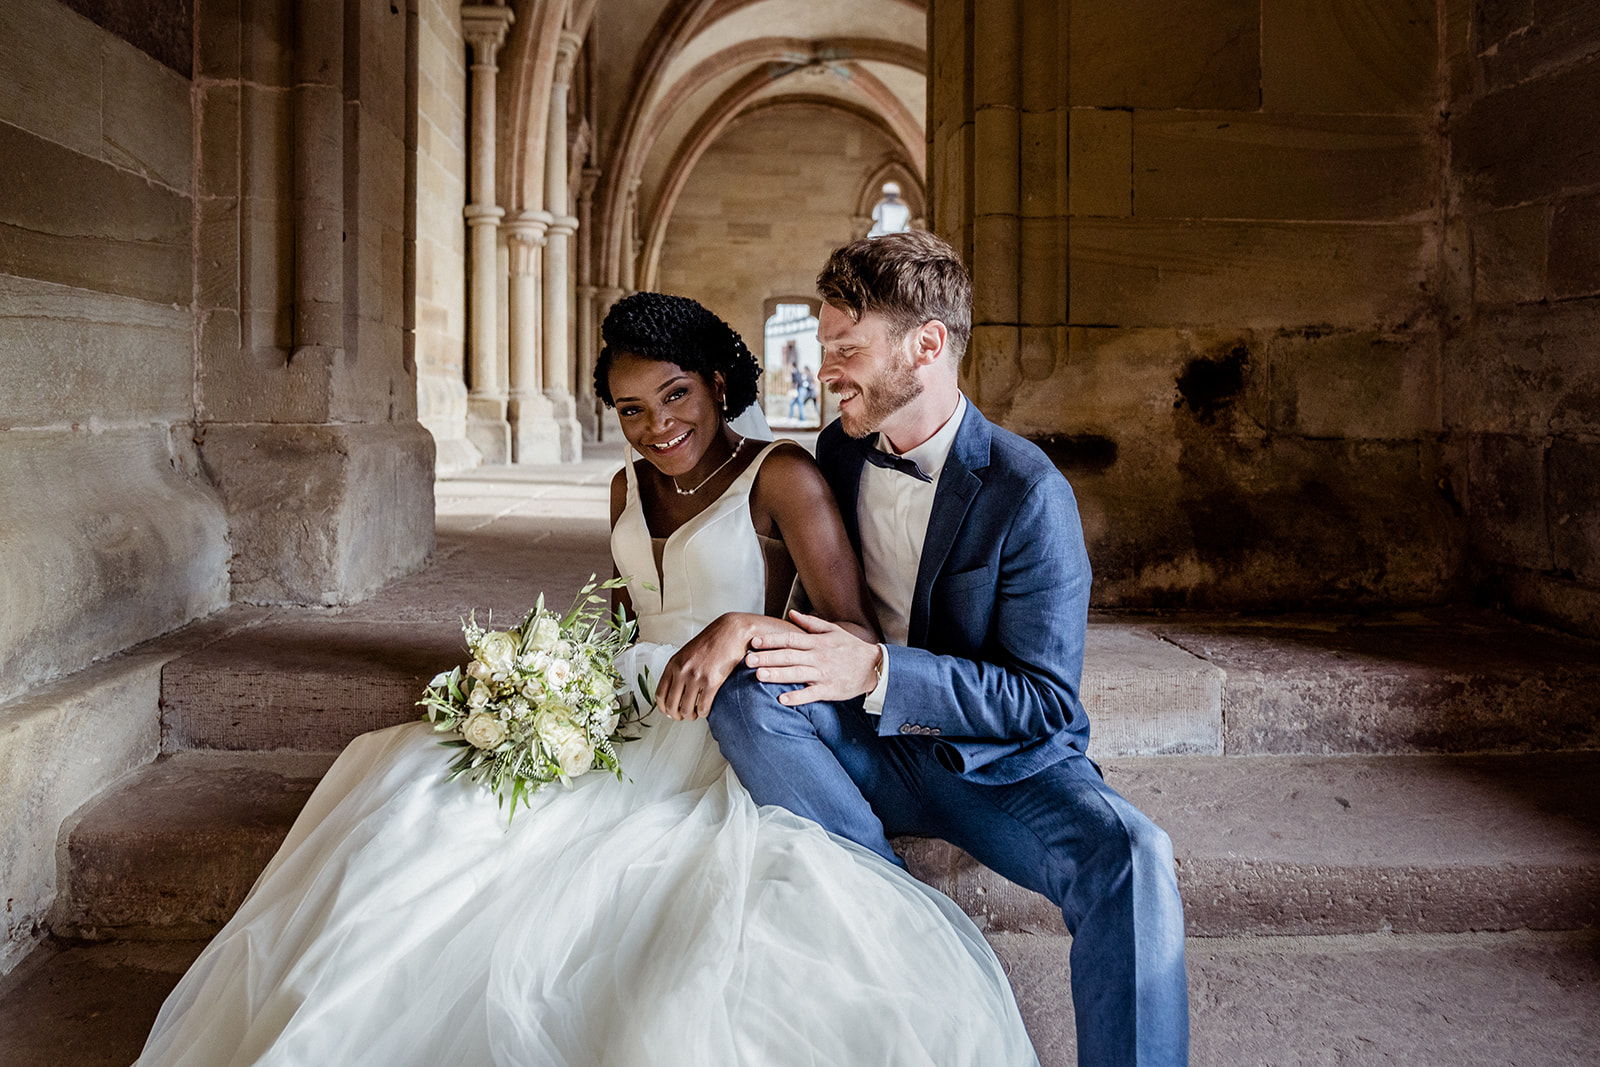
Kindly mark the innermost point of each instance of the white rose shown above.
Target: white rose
(572, 752)
(600, 686)
(483, 730)
(558, 672)
(561, 650)
(479, 697)
(498, 651)
(551, 725)
(477, 670)
(531, 688)
(545, 633)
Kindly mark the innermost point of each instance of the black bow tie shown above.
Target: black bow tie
(879, 458)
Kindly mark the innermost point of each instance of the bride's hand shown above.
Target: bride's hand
(692, 677)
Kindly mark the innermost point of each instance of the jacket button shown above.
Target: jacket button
(905, 728)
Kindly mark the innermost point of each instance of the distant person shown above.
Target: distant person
(890, 215)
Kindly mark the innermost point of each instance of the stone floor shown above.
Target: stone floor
(1380, 863)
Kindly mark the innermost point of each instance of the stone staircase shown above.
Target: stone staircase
(1387, 827)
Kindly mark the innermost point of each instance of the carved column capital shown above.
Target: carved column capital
(525, 235)
(485, 26)
(566, 56)
(587, 182)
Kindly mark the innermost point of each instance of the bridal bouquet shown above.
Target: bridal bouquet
(539, 702)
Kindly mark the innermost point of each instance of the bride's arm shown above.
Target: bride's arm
(619, 501)
(791, 501)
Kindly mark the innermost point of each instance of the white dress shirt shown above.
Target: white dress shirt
(892, 511)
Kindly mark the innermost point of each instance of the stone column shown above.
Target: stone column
(588, 325)
(605, 296)
(997, 112)
(484, 27)
(534, 435)
(630, 240)
(558, 374)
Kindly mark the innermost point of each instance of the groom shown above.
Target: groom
(966, 724)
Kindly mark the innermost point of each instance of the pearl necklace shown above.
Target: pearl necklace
(713, 474)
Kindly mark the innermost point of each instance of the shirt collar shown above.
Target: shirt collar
(931, 454)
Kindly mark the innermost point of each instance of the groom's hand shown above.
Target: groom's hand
(830, 661)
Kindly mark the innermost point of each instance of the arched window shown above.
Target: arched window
(792, 358)
(891, 214)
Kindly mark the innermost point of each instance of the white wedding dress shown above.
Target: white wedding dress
(662, 920)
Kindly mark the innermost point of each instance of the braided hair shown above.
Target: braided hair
(675, 329)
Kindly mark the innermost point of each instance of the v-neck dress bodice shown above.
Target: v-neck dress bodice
(710, 565)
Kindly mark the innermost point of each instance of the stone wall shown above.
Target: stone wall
(1236, 356)
(108, 533)
(765, 205)
(1522, 360)
(441, 233)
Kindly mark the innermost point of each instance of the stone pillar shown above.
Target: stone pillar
(604, 297)
(588, 325)
(558, 374)
(534, 435)
(998, 113)
(629, 275)
(484, 27)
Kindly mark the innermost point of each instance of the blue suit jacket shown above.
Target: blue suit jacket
(994, 655)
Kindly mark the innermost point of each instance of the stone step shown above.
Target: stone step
(1464, 999)
(1153, 685)
(1265, 845)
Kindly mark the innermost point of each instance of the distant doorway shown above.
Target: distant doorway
(792, 358)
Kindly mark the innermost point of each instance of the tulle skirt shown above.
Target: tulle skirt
(660, 920)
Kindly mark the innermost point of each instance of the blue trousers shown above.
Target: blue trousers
(1062, 832)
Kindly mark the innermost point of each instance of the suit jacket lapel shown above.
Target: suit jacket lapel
(958, 485)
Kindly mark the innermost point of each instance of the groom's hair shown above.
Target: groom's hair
(675, 329)
(909, 278)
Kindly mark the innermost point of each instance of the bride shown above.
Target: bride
(662, 920)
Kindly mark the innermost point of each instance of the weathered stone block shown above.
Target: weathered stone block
(1042, 272)
(996, 64)
(1043, 169)
(148, 123)
(1528, 370)
(991, 370)
(104, 544)
(1506, 504)
(74, 220)
(994, 172)
(60, 745)
(994, 266)
(1230, 166)
(219, 140)
(1575, 248)
(1351, 56)
(50, 77)
(69, 356)
(1574, 480)
(1523, 39)
(1508, 254)
(1166, 54)
(322, 514)
(1243, 275)
(1101, 164)
(218, 28)
(1531, 141)
(1354, 385)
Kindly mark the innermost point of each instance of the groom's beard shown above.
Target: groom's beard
(880, 398)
